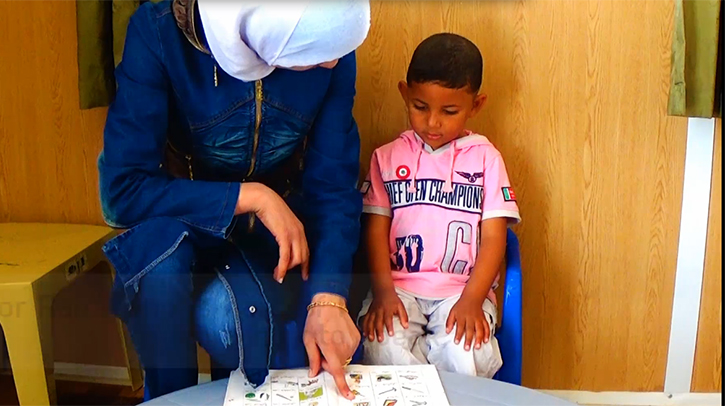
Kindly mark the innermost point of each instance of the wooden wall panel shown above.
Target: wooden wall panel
(707, 375)
(577, 102)
(48, 146)
(577, 106)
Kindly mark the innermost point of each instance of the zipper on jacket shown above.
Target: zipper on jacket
(191, 172)
(186, 156)
(258, 98)
(216, 76)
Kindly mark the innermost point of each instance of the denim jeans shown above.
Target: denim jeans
(214, 292)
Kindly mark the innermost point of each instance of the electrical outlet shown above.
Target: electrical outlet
(71, 270)
(82, 262)
(76, 266)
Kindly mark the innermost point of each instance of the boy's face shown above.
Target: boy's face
(439, 114)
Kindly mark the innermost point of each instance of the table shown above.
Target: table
(461, 390)
(36, 262)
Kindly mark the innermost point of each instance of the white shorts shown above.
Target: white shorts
(425, 340)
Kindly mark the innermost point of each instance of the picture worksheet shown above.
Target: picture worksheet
(416, 385)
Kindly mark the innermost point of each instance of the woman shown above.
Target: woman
(231, 155)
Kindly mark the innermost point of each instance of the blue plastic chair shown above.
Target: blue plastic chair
(510, 333)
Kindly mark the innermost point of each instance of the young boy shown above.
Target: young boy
(437, 203)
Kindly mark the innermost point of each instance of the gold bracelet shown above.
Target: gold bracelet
(333, 304)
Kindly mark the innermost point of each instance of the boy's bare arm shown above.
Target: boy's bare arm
(377, 232)
(386, 304)
(467, 314)
(490, 255)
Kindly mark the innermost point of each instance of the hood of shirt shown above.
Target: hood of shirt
(447, 152)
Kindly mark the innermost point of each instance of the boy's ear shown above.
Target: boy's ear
(403, 89)
(478, 103)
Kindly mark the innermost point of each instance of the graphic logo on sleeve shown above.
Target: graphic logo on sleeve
(365, 187)
(508, 194)
(471, 177)
(402, 172)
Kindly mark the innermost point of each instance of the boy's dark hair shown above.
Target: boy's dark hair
(449, 60)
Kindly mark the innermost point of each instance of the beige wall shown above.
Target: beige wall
(577, 102)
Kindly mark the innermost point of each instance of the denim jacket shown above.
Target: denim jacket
(170, 91)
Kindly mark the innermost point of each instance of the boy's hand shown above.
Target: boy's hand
(385, 305)
(468, 317)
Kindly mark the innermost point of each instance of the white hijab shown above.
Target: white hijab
(250, 38)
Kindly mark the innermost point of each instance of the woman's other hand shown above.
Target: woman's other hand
(331, 339)
(286, 228)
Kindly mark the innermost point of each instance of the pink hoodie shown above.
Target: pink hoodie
(437, 200)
